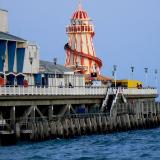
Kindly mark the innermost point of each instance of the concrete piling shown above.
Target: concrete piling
(99, 124)
(88, 126)
(77, 127)
(53, 130)
(104, 124)
(133, 115)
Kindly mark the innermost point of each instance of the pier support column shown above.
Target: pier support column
(142, 109)
(138, 109)
(33, 113)
(147, 106)
(68, 108)
(50, 112)
(155, 112)
(12, 116)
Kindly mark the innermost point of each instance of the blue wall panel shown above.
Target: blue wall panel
(2, 53)
(11, 55)
(20, 59)
(20, 80)
(10, 79)
(38, 79)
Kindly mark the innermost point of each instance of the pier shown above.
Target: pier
(42, 100)
(37, 113)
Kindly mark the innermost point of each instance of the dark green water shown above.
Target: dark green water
(141, 144)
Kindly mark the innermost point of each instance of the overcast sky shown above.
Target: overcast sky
(127, 31)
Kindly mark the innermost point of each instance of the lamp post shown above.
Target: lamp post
(132, 72)
(156, 78)
(31, 62)
(55, 61)
(146, 76)
(114, 70)
(113, 74)
(55, 73)
(3, 57)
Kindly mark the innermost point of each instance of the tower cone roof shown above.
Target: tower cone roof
(80, 13)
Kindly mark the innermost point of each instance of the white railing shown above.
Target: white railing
(78, 90)
(145, 91)
(52, 90)
(134, 91)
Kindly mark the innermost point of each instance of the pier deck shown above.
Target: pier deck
(42, 112)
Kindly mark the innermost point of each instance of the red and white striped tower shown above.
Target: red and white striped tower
(80, 51)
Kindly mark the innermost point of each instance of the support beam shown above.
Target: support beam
(73, 110)
(65, 109)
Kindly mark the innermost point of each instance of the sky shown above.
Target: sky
(127, 31)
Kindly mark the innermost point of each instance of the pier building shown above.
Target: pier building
(54, 74)
(19, 58)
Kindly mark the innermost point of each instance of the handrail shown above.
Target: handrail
(96, 59)
(105, 100)
(51, 90)
(76, 90)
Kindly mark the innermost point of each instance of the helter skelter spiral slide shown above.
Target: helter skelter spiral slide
(80, 52)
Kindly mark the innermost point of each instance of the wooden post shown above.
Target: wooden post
(13, 116)
(138, 109)
(50, 112)
(155, 111)
(33, 113)
(142, 109)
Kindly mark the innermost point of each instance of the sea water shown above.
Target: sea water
(140, 144)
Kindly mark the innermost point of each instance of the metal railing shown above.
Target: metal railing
(77, 90)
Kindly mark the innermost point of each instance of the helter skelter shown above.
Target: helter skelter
(80, 52)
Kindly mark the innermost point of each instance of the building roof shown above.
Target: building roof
(3, 10)
(9, 37)
(80, 13)
(98, 78)
(50, 67)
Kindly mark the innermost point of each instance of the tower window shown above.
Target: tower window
(86, 28)
(82, 28)
(75, 29)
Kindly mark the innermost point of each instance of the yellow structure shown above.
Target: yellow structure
(128, 83)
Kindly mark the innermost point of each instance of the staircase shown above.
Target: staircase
(105, 101)
(114, 102)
